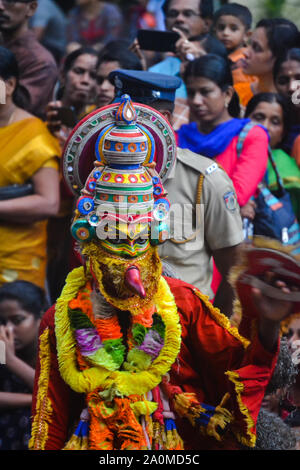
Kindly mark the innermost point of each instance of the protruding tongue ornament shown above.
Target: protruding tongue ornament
(134, 281)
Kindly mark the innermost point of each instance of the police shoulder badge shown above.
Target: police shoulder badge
(230, 201)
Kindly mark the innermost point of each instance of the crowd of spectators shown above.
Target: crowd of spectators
(57, 61)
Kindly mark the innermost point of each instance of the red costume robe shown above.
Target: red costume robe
(214, 360)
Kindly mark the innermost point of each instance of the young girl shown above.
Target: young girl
(21, 306)
(215, 129)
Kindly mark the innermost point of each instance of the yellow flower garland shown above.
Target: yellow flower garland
(126, 383)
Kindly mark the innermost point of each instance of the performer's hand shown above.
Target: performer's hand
(273, 309)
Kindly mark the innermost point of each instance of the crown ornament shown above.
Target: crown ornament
(120, 188)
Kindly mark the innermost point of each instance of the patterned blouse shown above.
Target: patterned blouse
(15, 422)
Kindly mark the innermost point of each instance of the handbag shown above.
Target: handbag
(274, 214)
(15, 191)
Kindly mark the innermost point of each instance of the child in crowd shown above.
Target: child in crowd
(232, 26)
(21, 306)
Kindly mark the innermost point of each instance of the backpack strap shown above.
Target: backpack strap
(242, 136)
(278, 177)
(239, 148)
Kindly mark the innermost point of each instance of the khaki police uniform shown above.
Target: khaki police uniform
(204, 217)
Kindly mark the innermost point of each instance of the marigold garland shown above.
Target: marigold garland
(109, 328)
(126, 383)
(145, 318)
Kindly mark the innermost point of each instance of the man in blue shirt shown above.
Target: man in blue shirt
(190, 17)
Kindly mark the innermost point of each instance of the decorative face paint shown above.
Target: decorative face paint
(109, 274)
(127, 240)
(122, 209)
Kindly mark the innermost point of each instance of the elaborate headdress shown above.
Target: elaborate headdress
(126, 139)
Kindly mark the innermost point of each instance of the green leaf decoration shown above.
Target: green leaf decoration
(79, 320)
(158, 325)
(116, 349)
(138, 333)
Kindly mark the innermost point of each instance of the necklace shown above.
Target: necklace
(104, 376)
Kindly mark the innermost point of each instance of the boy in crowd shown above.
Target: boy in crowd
(232, 26)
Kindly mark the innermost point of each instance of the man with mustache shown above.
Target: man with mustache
(37, 67)
(130, 359)
(189, 18)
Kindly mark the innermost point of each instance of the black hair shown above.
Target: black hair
(206, 8)
(235, 9)
(211, 44)
(290, 54)
(9, 69)
(117, 51)
(282, 34)
(160, 105)
(28, 295)
(272, 433)
(285, 371)
(271, 98)
(217, 69)
(73, 56)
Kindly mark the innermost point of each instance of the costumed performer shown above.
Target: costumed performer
(130, 359)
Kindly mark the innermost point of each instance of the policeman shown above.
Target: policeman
(209, 225)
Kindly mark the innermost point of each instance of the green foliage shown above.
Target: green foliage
(274, 7)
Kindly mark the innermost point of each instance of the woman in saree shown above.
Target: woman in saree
(28, 160)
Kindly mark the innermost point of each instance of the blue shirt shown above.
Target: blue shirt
(171, 66)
